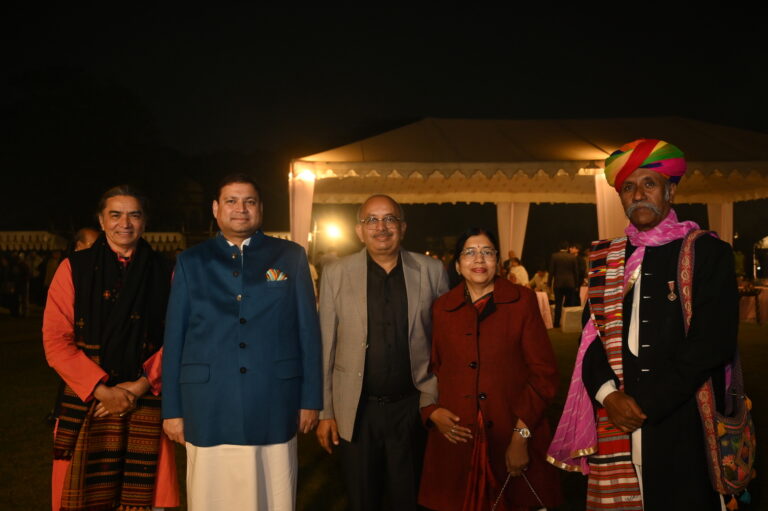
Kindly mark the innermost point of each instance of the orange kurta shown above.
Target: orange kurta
(82, 374)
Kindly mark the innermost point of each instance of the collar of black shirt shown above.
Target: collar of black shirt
(375, 267)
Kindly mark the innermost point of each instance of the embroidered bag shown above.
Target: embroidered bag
(730, 438)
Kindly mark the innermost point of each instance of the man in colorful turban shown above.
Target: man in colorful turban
(631, 420)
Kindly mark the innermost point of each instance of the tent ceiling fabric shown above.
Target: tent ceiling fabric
(459, 160)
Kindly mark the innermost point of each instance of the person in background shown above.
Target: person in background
(85, 237)
(564, 280)
(516, 272)
(577, 251)
(539, 282)
(507, 263)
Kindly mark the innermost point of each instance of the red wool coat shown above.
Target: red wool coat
(505, 366)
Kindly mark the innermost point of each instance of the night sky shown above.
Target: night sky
(171, 99)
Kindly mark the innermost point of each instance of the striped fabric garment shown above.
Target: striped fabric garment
(612, 482)
(606, 297)
(114, 460)
(575, 439)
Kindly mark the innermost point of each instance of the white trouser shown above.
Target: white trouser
(242, 477)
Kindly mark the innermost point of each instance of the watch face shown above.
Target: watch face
(524, 432)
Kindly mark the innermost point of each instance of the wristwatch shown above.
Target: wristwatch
(524, 432)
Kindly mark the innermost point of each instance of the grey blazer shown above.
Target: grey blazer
(344, 329)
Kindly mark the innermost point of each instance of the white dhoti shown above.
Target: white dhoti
(242, 477)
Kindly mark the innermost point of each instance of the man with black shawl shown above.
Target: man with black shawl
(103, 334)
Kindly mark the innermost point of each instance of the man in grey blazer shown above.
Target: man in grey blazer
(375, 320)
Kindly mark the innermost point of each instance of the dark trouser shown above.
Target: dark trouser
(385, 455)
(568, 294)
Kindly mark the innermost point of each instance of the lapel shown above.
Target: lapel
(358, 287)
(412, 273)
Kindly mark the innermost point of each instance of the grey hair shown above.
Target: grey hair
(667, 190)
(128, 191)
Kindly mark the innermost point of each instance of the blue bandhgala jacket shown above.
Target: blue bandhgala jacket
(242, 350)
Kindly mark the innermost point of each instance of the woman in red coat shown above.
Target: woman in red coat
(496, 375)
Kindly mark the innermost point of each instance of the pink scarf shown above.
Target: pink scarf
(576, 435)
(668, 230)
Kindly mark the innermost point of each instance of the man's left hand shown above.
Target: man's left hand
(308, 420)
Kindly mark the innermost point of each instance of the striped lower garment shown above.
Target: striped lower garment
(114, 459)
(612, 480)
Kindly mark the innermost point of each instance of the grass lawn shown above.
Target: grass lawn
(29, 386)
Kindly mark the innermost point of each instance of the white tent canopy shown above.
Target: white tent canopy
(44, 240)
(31, 240)
(515, 162)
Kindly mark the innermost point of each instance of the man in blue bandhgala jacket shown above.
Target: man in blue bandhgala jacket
(242, 362)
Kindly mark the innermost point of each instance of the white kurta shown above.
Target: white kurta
(242, 477)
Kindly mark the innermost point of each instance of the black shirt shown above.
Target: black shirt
(387, 360)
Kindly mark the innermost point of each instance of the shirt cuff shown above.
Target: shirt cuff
(607, 388)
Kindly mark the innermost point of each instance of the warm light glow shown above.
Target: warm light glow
(305, 175)
(333, 231)
(592, 169)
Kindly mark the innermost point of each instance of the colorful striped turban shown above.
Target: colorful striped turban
(644, 153)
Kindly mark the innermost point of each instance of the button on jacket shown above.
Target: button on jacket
(242, 353)
(503, 365)
(344, 319)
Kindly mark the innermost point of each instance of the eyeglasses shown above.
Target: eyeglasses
(372, 222)
(486, 253)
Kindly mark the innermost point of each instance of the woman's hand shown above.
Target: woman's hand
(448, 424)
(517, 455)
(113, 400)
